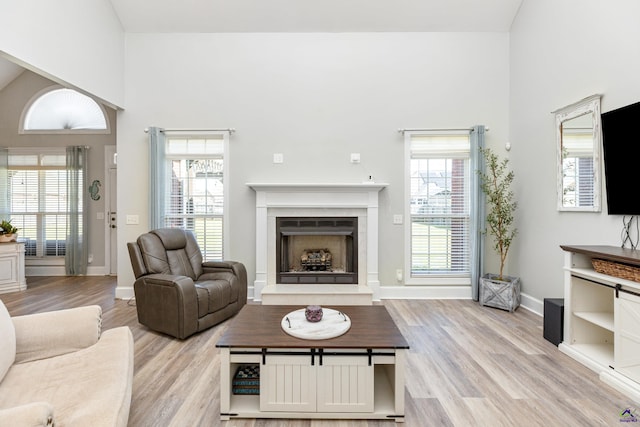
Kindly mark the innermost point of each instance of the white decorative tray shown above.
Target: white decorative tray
(333, 324)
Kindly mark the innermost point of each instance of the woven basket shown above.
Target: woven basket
(616, 269)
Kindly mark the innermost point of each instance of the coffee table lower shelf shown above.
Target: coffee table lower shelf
(359, 387)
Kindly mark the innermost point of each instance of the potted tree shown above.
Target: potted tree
(499, 290)
(8, 233)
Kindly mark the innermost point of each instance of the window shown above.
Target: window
(438, 189)
(38, 199)
(64, 110)
(195, 192)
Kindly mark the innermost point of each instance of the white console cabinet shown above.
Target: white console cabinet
(602, 316)
(12, 267)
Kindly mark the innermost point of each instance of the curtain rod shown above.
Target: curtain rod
(437, 130)
(230, 130)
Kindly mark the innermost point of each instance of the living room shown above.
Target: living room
(316, 96)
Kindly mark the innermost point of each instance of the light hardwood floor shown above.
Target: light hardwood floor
(468, 366)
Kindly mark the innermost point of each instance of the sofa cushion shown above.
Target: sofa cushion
(8, 340)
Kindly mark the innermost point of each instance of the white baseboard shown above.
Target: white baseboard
(425, 292)
(532, 304)
(449, 292)
(402, 292)
(125, 292)
(58, 270)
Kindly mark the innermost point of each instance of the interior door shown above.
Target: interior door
(111, 231)
(113, 224)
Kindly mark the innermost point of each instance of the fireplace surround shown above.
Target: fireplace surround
(316, 200)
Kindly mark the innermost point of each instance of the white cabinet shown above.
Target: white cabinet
(12, 267)
(602, 316)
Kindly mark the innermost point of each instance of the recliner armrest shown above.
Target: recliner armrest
(238, 269)
(167, 303)
(54, 333)
(224, 265)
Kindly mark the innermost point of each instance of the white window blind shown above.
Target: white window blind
(64, 109)
(195, 194)
(38, 200)
(439, 205)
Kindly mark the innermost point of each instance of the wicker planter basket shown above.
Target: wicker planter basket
(616, 269)
(504, 294)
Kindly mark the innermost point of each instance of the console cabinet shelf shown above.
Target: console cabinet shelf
(602, 316)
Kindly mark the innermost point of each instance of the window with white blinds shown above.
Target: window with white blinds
(195, 195)
(439, 203)
(38, 200)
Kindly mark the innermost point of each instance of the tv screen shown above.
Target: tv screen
(621, 149)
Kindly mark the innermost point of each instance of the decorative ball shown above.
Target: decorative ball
(313, 313)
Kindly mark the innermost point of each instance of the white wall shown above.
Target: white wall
(316, 98)
(561, 52)
(77, 42)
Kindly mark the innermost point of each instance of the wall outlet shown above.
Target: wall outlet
(278, 158)
(90, 260)
(399, 275)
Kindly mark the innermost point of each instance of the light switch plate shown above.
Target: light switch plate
(133, 219)
(397, 219)
(278, 158)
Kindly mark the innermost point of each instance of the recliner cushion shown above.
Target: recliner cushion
(171, 251)
(171, 238)
(176, 239)
(229, 277)
(213, 295)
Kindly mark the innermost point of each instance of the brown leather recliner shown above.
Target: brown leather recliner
(177, 293)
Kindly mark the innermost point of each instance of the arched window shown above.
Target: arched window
(64, 110)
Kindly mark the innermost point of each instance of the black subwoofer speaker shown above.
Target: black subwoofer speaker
(553, 320)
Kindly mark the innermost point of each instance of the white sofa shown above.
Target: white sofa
(59, 368)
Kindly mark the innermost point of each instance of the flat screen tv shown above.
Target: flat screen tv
(621, 149)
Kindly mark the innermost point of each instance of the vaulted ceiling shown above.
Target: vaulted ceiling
(188, 16)
(211, 16)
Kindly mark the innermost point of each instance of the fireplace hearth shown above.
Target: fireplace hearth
(317, 250)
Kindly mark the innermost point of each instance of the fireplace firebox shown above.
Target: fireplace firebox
(317, 250)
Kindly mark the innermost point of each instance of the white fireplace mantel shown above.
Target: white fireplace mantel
(316, 199)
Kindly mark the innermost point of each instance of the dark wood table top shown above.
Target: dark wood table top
(611, 253)
(258, 326)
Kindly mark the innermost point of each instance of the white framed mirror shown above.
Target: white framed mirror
(579, 141)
